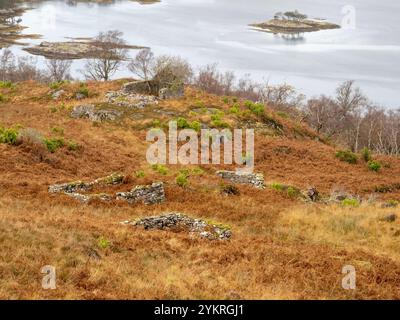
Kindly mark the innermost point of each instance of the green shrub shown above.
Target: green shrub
(83, 90)
(347, 156)
(374, 165)
(350, 202)
(293, 192)
(103, 243)
(3, 98)
(181, 179)
(195, 125)
(6, 84)
(282, 114)
(55, 85)
(73, 146)
(225, 100)
(58, 130)
(256, 108)
(235, 109)
(161, 169)
(277, 186)
(217, 122)
(182, 123)
(8, 135)
(54, 144)
(366, 154)
(139, 174)
(197, 171)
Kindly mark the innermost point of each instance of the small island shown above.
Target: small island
(293, 22)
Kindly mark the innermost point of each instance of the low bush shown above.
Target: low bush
(8, 135)
(366, 154)
(374, 165)
(346, 156)
(53, 144)
(350, 202)
(182, 179)
(161, 169)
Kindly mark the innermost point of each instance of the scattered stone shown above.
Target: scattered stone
(70, 187)
(176, 221)
(148, 194)
(230, 190)
(389, 218)
(340, 195)
(130, 100)
(57, 94)
(254, 179)
(73, 187)
(171, 93)
(313, 194)
(85, 198)
(80, 96)
(90, 112)
(390, 204)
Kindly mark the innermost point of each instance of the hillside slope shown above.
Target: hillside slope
(282, 246)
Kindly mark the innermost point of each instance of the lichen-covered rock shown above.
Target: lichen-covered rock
(84, 198)
(130, 100)
(57, 94)
(90, 112)
(73, 187)
(176, 221)
(148, 194)
(69, 187)
(171, 93)
(254, 179)
(112, 179)
(147, 87)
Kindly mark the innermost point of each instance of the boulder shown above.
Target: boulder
(148, 87)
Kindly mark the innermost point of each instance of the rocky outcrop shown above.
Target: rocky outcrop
(147, 87)
(92, 113)
(254, 179)
(171, 93)
(130, 100)
(148, 194)
(176, 222)
(154, 88)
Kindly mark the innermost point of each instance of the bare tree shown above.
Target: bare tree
(143, 64)
(58, 70)
(109, 56)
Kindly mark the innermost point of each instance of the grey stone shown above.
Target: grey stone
(148, 194)
(313, 194)
(389, 218)
(254, 179)
(90, 112)
(130, 100)
(176, 221)
(57, 94)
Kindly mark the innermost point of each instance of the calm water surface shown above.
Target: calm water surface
(208, 31)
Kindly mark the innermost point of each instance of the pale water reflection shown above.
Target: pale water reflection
(207, 31)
